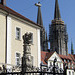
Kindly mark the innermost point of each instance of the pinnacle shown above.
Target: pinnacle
(57, 11)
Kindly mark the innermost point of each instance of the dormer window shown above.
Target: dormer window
(69, 65)
(72, 66)
(64, 60)
(68, 61)
(71, 62)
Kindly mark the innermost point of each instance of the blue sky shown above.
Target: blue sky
(29, 10)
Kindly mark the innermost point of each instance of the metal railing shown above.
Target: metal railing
(31, 73)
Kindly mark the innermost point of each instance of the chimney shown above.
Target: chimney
(3, 2)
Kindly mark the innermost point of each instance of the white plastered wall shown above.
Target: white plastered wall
(59, 61)
(9, 26)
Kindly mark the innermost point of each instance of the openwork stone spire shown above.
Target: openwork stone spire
(57, 11)
(58, 34)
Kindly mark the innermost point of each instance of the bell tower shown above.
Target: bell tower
(58, 35)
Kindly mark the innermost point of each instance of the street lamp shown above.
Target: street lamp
(65, 68)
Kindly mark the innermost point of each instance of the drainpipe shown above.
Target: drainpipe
(6, 42)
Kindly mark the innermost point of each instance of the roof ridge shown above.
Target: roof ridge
(11, 11)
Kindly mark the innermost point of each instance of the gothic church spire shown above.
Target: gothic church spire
(39, 16)
(58, 35)
(40, 22)
(57, 11)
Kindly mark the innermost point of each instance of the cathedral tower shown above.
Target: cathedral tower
(42, 31)
(58, 35)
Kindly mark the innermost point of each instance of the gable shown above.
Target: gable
(55, 55)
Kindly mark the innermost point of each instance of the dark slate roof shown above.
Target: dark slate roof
(39, 17)
(57, 11)
(10, 11)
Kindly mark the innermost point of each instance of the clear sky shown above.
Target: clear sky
(29, 10)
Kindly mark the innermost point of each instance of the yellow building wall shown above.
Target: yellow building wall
(17, 45)
(2, 37)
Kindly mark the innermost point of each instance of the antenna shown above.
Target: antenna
(38, 4)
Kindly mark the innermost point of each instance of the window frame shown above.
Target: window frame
(17, 58)
(19, 33)
(69, 73)
(60, 65)
(32, 39)
(72, 73)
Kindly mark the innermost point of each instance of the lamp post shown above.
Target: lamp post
(55, 60)
(65, 68)
(41, 68)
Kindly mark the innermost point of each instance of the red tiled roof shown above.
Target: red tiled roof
(65, 57)
(73, 62)
(45, 56)
(72, 56)
(68, 58)
(10, 11)
(48, 55)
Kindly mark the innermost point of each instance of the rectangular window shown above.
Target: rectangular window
(68, 65)
(72, 73)
(17, 59)
(60, 65)
(50, 63)
(31, 38)
(18, 33)
(69, 73)
(72, 66)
